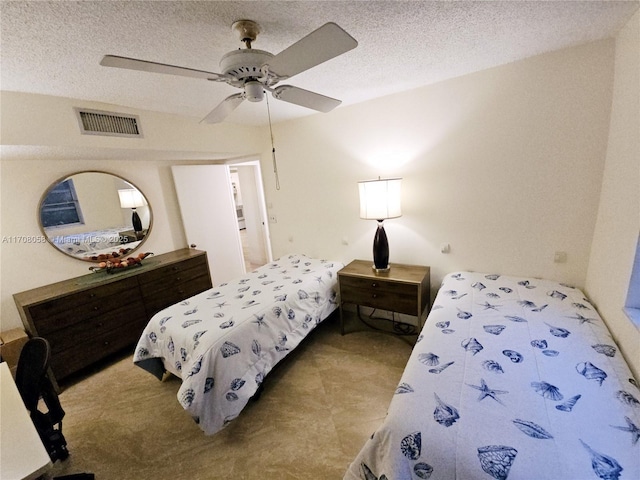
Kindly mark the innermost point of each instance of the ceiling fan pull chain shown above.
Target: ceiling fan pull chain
(275, 168)
(273, 148)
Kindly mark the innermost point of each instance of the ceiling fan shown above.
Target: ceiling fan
(254, 71)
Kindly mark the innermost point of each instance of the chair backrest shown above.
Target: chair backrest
(32, 370)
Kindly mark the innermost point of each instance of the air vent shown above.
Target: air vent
(97, 122)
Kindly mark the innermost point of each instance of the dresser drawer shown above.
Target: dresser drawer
(174, 273)
(96, 348)
(379, 293)
(176, 281)
(69, 303)
(157, 299)
(90, 329)
(48, 318)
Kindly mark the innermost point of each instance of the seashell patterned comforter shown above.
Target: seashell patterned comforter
(510, 378)
(224, 341)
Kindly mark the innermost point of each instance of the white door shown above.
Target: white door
(205, 196)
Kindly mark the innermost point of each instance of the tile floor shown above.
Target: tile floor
(318, 408)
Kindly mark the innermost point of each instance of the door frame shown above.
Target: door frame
(262, 205)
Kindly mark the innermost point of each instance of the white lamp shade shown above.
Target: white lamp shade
(131, 198)
(380, 199)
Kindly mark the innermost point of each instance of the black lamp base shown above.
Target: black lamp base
(380, 250)
(135, 220)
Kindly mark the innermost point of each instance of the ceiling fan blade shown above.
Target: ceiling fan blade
(145, 66)
(323, 44)
(227, 106)
(305, 98)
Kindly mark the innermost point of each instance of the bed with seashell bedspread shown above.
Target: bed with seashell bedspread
(224, 341)
(510, 378)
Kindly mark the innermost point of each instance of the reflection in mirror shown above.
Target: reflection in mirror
(89, 215)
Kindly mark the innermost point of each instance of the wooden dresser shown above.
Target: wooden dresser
(90, 317)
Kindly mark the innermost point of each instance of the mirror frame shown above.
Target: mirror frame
(70, 175)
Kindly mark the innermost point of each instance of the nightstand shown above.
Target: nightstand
(403, 289)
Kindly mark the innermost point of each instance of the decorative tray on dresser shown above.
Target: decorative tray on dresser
(87, 318)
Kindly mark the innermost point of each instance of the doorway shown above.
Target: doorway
(212, 220)
(246, 181)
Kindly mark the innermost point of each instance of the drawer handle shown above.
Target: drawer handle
(374, 285)
(178, 279)
(91, 295)
(106, 344)
(374, 295)
(96, 308)
(100, 324)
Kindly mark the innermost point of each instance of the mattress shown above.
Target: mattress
(510, 378)
(224, 341)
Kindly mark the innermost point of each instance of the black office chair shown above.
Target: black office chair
(33, 384)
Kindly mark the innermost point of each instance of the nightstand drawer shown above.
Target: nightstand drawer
(376, 293)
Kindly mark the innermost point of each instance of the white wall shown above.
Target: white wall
(616, 233)
(46, 121)
(41, 143)
(505, 165)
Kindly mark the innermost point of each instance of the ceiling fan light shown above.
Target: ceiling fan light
(254, 91)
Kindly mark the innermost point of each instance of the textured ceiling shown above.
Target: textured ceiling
(54, 48)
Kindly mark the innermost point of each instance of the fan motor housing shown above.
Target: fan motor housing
(253, 91)
(243, 64)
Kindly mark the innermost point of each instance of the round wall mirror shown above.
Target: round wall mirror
(90, 215)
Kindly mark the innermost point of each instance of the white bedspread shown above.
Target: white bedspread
(511, 378)
(224, 341)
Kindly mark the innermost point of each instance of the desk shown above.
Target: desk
(22, 454)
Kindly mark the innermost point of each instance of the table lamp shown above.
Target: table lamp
(379, 200)
(132, 198)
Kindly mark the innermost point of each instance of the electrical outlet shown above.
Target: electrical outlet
(560, 257)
